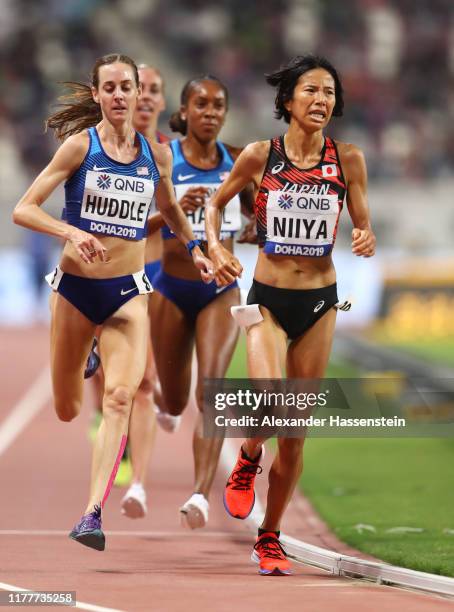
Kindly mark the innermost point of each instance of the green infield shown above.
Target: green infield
(437, 350)
(391, 498)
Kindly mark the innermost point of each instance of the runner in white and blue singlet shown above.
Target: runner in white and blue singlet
(185, 312)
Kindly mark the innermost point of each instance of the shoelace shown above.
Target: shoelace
(87, 520)
(241, 479)
(271, 548)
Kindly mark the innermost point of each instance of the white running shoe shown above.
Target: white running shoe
(194, 513)
(134, 503)
(168, 422)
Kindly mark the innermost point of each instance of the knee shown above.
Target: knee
(117, 401)
(67, 411)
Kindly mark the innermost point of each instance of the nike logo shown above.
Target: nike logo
(185, 177)
(219, 289)
(123, 292)
(319, 305)
(96, 169)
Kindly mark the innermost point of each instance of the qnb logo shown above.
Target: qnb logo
(277, 168)
(103, 181)
(285, 201)
(319, 305)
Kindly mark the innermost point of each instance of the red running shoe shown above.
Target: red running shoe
(270, 555)
(239, 494)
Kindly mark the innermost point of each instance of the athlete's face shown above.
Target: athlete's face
(117, 92)
(151, 99)
(206, 110)
(313, 99)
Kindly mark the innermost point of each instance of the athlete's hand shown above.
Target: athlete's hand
(87, 245)
(226, 266)
(203, 264)
(193, 198)
(249, 233)
(363, 242)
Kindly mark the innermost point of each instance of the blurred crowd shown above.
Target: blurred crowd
(396, 58)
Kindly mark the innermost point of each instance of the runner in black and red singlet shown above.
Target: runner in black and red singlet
(300, 182)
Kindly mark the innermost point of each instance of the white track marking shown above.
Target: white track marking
(79, 604)
(137, 534)
(24, 411)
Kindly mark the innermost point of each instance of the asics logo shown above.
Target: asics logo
(123, 292)
(319, 305)
(96, 169)
(277, 168)
(185, 177)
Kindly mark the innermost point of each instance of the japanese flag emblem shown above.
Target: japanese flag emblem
(329, 170)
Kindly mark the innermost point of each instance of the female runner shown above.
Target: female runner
(111, 173)
(182, 308)
(300, 179)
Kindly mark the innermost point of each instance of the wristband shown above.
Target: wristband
(192, 244)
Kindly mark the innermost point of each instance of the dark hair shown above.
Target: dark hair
(176, 123)
(286, 78)
(79, 110)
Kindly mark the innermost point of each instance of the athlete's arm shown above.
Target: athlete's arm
(249, 233)
(172, 213)
(192, 199)
(354, 167)
(248, 168)
(28, 213)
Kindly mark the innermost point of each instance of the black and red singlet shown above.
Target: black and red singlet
(298, 210)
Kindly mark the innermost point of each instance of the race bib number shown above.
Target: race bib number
(301, 223)
(231, 215)
(116, 204)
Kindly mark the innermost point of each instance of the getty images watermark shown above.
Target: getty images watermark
(329, 407)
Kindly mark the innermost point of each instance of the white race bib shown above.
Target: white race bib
(301, 223)
(115, 199)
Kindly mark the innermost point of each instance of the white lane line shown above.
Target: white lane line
(139, 534)
(79, 604)
(24, 411)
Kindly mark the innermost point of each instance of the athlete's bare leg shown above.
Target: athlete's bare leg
(307, 357)
(123, 350)
(173, 341)
(216, 338)
(71, 340)
(266, 350)
(142, 422)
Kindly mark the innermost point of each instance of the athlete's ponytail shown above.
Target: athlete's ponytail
(176, 122)
(79, 111)
(286, 78)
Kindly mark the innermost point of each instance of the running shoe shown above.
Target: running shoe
(168, 422)
(88, 531)
(194, 513)
(134, 503)
(270, 555)
(239, 494)
(124, 474)
(93, 361)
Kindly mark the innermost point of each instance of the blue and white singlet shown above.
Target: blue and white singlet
(185, 175)
(105, 196)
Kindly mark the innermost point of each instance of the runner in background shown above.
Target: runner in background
(186, 313)
(300, 179)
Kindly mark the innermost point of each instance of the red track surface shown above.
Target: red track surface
(44, 483)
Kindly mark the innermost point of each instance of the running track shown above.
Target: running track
(150, 564)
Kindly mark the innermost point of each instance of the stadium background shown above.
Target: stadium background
(397, 64)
